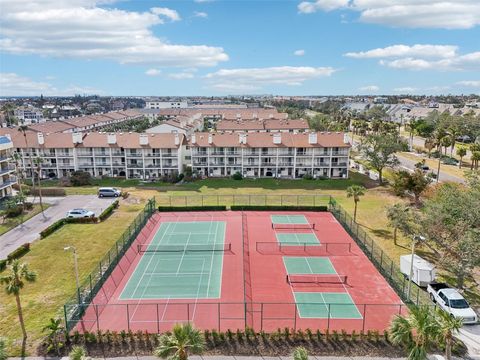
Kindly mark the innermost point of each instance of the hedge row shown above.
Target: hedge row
(59, 223)
(109, 210)
(277, 208)
(192, 208)
(15, 254)
(49, 192)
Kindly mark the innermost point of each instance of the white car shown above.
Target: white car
(80, 213)
(451, 301)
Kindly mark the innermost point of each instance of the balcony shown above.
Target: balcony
(134, 154)
(85, 153)
(199, 163)
(118, 153)
(64, 154)
(153, 154)
(5, 158)
(339, 164)
(217, 153)
(232, 153)
(135, 166)
(66, 166)
(7, 183)
(169, 155)
(7, 170)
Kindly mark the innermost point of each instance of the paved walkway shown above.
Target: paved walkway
(30, 230)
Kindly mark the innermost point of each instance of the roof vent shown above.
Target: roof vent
(312, 138)
(277, 138)
(143, 139)
(111, 139)
(40, 138)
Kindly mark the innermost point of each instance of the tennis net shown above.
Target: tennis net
(303, 248)
(149, 248)
(293, 226)
(316, 279)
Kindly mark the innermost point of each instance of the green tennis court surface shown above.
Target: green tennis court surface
(294, 239)
(308, 265)
(326, 305)
(289, 219)
(181, 274)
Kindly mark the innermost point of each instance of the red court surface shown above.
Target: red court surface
(254, 290)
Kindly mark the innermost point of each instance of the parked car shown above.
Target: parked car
(80, 213)
(109, 192)
(450, 300)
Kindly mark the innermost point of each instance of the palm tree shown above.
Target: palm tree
(400, 219)
(3, 350)
(430, 145)
(300, 353)
(54, 328)
(448, 327)
(183, 341)
(14, 281)
(23, 129)
(417, 331)
(38, 161)
(475, 158)
(461, 151)
(355, 191)
(78, 353)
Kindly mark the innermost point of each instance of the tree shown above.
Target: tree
(461, 151)
(416, 332)
(475, 158)
(415, 183)
(3, 350)
(355, 191)
(183, 340)
(400, 218)
(448, 327)
(23, 129)
(300, 353)
(54, 328)
(380, 151)
(449, 221)
(14, 281)
(80, 178)
(430, 145)
(38, 161)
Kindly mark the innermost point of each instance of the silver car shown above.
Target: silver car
(80, 213)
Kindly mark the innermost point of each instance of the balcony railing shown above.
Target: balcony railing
(6, 170)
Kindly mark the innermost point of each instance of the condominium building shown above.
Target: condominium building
(282, 155)
(7, 179)
(28, 115)
(152, 156)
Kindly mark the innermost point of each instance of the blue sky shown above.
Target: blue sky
(221, 47)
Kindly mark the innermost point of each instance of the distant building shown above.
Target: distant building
(155, 104)
(6, 170)
(28, 115)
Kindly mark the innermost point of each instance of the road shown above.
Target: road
(470, 335)
(30, 230)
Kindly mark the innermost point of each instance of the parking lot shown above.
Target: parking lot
(30, 230)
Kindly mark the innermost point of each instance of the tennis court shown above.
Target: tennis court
(308, 265)
(323, 305)
(183, 261)
(295, 238)
(289, 219)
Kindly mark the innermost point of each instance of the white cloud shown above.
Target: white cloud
(300, 52)
(234, 88)
(421, 57)
(181, 75)
(469, 83)
(153, 72)
(445, 14)
(82, 29)
(369, 88)
(248, 79)
(405, 90)
(203, 1)
(170, 14)
(434, 51)
(200, 14)
(12, 84)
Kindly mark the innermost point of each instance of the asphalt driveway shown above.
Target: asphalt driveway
(30, 230)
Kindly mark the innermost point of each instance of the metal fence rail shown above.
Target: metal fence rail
(245, 200)
(160, 317)
(386, 266)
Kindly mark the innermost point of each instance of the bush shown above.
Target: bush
(88, 220)
(237, 176)
(19, 252)
(108, 211)
(80, 178)
(28, 206)
(14, 211)
(277, 208)
(3, 265)
(50, 192)
(52, 228)
(191, 208)
(307, 177)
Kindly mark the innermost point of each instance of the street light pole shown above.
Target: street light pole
(416, 238)
(74, 250)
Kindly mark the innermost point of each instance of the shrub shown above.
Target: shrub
(277, 208)
(19, 252)
(300, 353)
(28, 205)
(307, 177)
(52, 228)
(88, 220)
(14, 211)
(237, 176)
(3, 265)
(80, 178)
(108, 211)
(49, 192)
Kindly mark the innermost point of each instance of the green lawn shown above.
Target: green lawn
(55, 284)
(9, 223)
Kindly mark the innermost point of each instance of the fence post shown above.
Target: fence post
(66, 317)
(261, 317)
(188, 313)
(158, 321)
(128, 319)
(295, 318)
(218, 316)
(364, 316)
(96, 314)
(328, 317)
